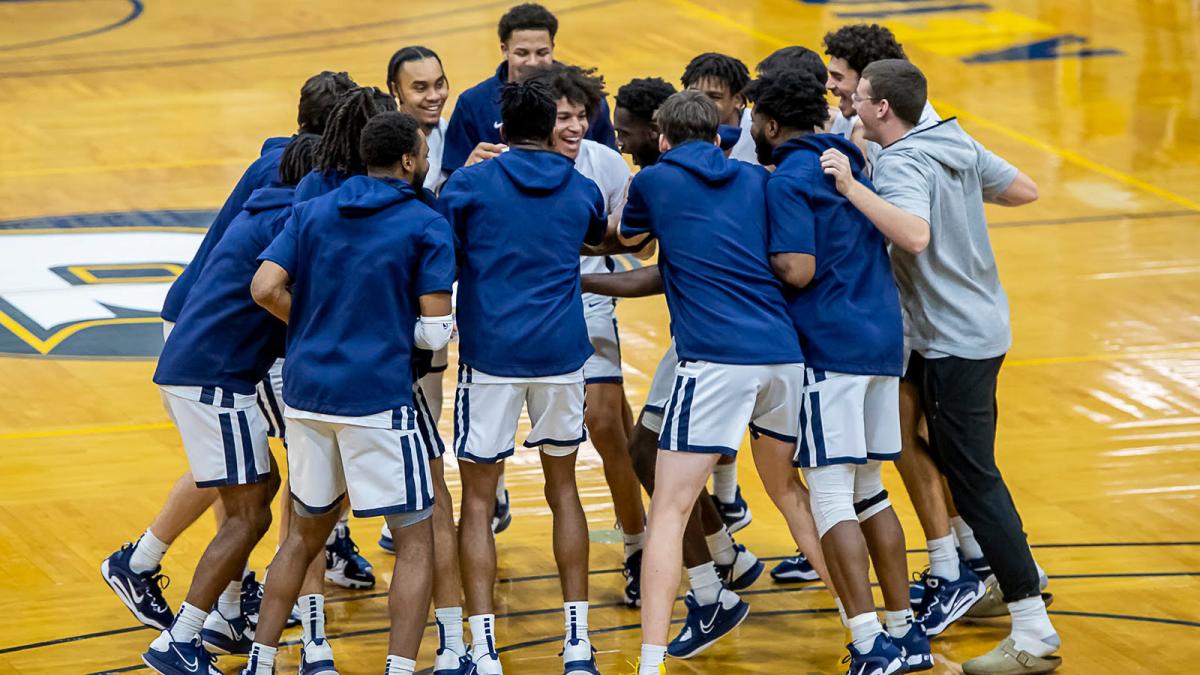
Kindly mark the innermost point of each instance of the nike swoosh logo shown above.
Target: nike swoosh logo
(497, 125)
(192, 665)
(707, 626)
(135, 596)
(948, 606)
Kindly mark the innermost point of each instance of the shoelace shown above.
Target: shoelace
(158, 584)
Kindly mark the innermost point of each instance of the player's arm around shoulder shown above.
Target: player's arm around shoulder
(904, 217)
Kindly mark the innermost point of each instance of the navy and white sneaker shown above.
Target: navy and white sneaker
(945, 602)
(735, 514)
(580, 666)
(140, 593)
(794, 570)
(502, 517)
(179, 658)
(914, 645)
(705, 625)
(884, 658)
(344, 565)
(385, 540)
(449, 663)
(633, 579)
(252, 594)
(745, 569)
(227, 636)
(316, 658)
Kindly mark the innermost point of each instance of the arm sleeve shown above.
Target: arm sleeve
(461, 137)
(597, 217)
(283, 251)
(901, 181)
(436, 272)
(600, 128)
(995, 174)
(636, 218)
(791, 225)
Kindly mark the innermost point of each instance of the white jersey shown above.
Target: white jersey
(437, 142)
(744, 149)
(605, 167)
(843, 126)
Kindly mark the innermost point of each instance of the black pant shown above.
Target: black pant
(959, 400)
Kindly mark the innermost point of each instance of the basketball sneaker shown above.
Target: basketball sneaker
(579, 666)
(945, 602)
(633, 579)
(743, 571)
(884, 658)
(344, 565)
(316, 658)
(252, 593)
(735, 514)
(227, 636)
(179, 658)
(979, 566)
(449, 663)
(502, 517)
(140, 593)
(385, 540)
(915, 648)
(707, 624)
(794, 570)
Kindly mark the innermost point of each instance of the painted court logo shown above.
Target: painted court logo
(91, 285)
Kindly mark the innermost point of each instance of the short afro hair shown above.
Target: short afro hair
(581, 86)
(795, 99)
(720, 67)
(862, 44)
(641, 97)
(793, 58)
(528, 111)
(529, 16)
(388, 137)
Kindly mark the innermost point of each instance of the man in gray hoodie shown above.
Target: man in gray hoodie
(933, 180)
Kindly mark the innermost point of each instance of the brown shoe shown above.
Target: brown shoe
(1006, 659)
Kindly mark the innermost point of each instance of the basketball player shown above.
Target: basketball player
(520, 222)
(846, 309)
(722, 78)
(933, 180)
(527, 34)
(133, 572)
(740, 361)
(347, 380)
(222, 346)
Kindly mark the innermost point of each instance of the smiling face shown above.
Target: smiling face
(729, 104)
(636, 137)
(421, 89)
(570, 126)
(527, 51)
(843, 81)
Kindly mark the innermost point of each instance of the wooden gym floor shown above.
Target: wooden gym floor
(146, 113)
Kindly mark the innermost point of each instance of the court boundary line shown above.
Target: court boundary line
(136, 7)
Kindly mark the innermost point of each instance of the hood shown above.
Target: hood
(730, 135)
(502, 72)
(275, 143)
(271, 197)
(536, 171)
(702, 159)
(944, 141)
(819, 143)
(363, 195)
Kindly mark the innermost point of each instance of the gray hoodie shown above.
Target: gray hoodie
(953, 302)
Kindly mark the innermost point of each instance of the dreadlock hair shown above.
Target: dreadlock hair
(403, 56)
(297, 158)
(528, 111)
(339, 145)
(793, 58)
(793, 98)
(861, 44)
(641, 97)
(687, 116)
(721, 67)
(388, 137)
(318, 96)
(578, 85)
(528, 16)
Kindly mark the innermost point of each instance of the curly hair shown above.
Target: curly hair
(529, 16)
(642, 96)
(793, 58)
(795, 99)
(861, 44)
(720, 67)
(388, 137)
(581, 86)
(527, 111)
(339, 144)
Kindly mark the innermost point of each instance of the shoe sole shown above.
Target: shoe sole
(747, 580)
(346, 582)
(1049, 664)
(738, 524)
(503, 524)
(922, 662)
(127, 601)
(699, 650)
(387, 549)
(958, 613)
(220, 649)
(780, 579)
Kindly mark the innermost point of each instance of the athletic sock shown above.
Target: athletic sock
(706, 585)
(230, 602)
(148, 552)
(652, 657)
(188, 623)
(720, 547)
(398, 665)
(312, 616)
(483, 634)
(333, 534)
(263, 658)
(966, 539)
(450, 630)
(943, 559)
(500, 488)
(864, 628)
(633, 542)
(1031, 628)
(575, 623)
(725, 482)
(899, 622)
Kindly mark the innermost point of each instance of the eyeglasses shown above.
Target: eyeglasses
(859, 99)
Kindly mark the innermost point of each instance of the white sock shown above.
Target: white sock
(483, 634)
(450, 629)
(899, 622)
(652, 657)
(720, 546)
(575, 620)
(263, 657)
(188, 623)
(500, 488)
(398, 665)
(148, 552)
(725, 482)
(842, 613)
(943, 559)
(312, 616)
(864, 628)
(230, 602)
(1031, 627)
(333, 534)
(966, 539)
(633, 542)
(705, 583)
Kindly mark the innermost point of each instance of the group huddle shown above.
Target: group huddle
(831, 289)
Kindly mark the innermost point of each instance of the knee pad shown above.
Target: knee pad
(831, 490)
(304, 512)
(870, 498)
(396, 521)
(652, 421)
